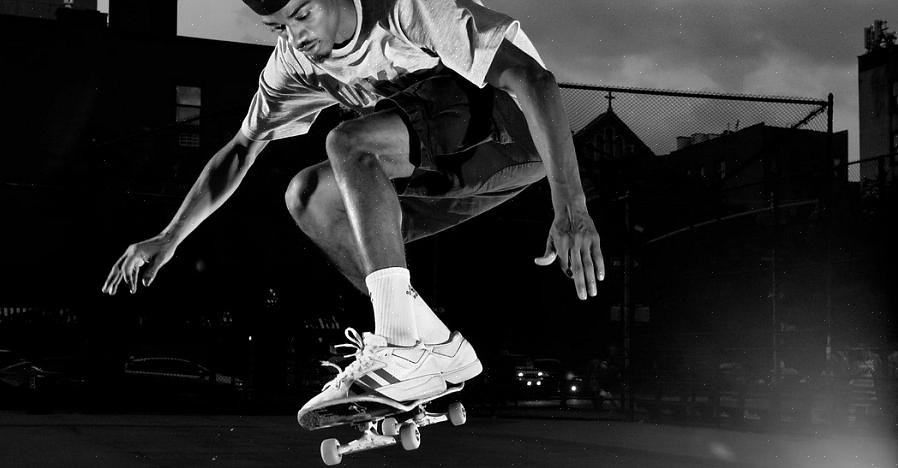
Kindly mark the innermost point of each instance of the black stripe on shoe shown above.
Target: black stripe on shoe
(359, 390)
(382, 373)
(368, 382)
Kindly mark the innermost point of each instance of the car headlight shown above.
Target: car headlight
(539, 374)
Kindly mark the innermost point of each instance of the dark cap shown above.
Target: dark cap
(266, 7)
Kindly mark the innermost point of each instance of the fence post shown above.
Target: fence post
(832, 173)
(628, 308)
(832, 182)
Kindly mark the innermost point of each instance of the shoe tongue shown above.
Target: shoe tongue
(377, 341)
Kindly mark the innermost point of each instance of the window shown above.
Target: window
(188, 102)
(893, 111)
(596, 149)
(895, 97)
(189, 140)
(607, 141)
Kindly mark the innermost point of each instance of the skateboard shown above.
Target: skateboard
(383, 422)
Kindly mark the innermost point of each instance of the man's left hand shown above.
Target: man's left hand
(574, 241)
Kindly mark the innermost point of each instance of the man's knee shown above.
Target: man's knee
(377, 143)
(347, 141)
(306, 187)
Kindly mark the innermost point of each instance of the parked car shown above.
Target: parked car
(171, 379)
(63, 374)
(45, 383)
(554, 379)
(542, 378)
(527, 375)
(14, 373)
(14, 381)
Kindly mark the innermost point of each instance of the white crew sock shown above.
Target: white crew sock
(391, 297)
(431, 329)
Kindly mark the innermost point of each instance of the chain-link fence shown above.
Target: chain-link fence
(660, 117)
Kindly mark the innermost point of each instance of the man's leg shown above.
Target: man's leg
(318, 205)
(365, 155)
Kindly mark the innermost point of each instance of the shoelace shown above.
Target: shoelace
(362, 354)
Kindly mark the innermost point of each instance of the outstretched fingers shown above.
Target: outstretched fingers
(131, 270)
(578, 253)
(577, 271)
(114, 277)
(587, 265)
(564, 255)
(598, 260)
(589, 272)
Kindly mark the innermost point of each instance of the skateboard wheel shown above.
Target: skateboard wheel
(330, 452)
(410, 436)
(389, 427)
(457, 414)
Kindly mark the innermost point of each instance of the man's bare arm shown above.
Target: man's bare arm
(216, 183)
(220, 178)
(573, 238)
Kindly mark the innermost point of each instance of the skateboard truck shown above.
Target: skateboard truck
(403, 431)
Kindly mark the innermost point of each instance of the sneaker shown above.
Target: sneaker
(401, 373)
(456, 358)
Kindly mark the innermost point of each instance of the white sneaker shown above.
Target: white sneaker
(456, 358)
(401, 373)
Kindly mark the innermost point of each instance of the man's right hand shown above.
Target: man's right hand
(140, 262)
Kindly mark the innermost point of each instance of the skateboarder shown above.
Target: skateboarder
(457, 114)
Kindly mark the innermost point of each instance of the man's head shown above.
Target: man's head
(312, 27)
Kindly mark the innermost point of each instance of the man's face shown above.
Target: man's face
(310, 26)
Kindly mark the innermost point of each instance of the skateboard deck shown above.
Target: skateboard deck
(399, 422)
(361, 409)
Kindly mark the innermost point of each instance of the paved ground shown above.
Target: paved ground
(79, 440)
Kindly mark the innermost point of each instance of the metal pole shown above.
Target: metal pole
(773, 288)
(627, 306)
(773, 178)
(832, 179)
(774, 199)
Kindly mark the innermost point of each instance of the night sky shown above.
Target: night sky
(802, 48)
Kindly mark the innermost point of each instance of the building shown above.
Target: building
(878, 102)
(751, 166)
(608, 154)
(131, 100)
(716, 252)
(95, 112)
(45, 9)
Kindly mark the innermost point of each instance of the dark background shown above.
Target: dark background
(92, 162)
